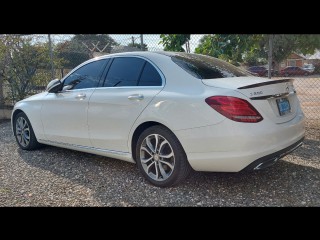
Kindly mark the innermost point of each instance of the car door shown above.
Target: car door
(64, 114)
(130, 84)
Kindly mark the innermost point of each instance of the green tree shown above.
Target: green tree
(81, 47)
(22, 65)
(70, 55)
(230, 47)
(174, 42)
(253, 49)
(2, 64)
(285, 44)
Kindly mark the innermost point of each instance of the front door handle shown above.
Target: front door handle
(137, 97)
(81, 96)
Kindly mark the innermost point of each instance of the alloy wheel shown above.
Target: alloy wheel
(22, 132)
(157, 157)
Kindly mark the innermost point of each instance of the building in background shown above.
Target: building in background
(314, 58)
(294, 60)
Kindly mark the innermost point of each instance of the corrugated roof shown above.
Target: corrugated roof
(316, 55)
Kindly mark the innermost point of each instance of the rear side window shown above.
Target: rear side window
(205, 67)
(150, 76)
(124, 71)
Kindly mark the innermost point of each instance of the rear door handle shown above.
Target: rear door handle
(137, 97)
(81, 96)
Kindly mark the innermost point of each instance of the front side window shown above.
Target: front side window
(124, 71)
(205, 67)
(87, 76)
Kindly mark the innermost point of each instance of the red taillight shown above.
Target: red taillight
(236, 109)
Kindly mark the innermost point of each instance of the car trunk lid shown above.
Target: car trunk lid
(275, 99)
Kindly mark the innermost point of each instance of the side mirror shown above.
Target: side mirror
(54, 86)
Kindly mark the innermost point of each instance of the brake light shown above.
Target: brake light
(236, 109)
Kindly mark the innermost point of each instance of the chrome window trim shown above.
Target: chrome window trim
(82, 64)
(163, 79)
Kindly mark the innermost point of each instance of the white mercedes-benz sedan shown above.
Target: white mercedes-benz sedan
(167, 112)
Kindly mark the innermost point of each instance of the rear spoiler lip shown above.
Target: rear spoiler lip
(267, 83)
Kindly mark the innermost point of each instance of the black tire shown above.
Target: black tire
(181, 166)
(33, 143)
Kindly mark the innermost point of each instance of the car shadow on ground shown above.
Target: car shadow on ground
(118, 183)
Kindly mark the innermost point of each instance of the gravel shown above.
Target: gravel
(58, 177)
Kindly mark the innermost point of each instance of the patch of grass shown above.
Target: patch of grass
(5, 190)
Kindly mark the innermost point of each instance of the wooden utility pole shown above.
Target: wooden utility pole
(1, 82)
(51, 56)
(270, 55)
(141, 42)
(1, 91)
(187, 46)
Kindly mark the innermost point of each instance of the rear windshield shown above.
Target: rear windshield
(205, 67)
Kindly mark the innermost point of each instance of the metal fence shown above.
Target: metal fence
(61, 53)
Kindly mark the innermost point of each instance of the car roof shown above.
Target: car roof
(146, 54)
(135, 53)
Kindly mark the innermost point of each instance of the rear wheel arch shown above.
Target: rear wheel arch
(160, 157)
(139, 130)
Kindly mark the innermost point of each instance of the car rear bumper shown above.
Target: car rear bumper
(271, 159)
(232, 147)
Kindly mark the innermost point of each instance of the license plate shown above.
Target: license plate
(283, 106)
